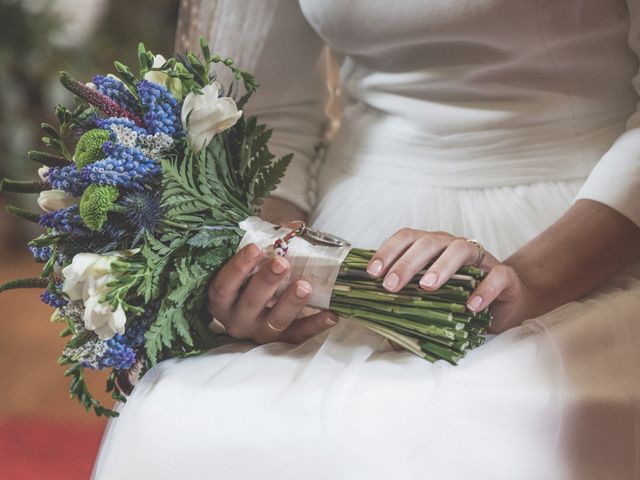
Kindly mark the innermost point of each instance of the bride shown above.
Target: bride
(510, 122)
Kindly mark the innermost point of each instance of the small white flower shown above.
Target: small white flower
(100, 318)
(77, 273)
(42, 173)
(87, 279)
(174, 85)
(52, 200)
(207, 114)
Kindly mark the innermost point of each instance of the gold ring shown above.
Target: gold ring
(274, 328)
(481, 252)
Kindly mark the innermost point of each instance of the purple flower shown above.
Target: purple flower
(126, 167)
(65, 220)
(163, 110)
(116, 91)
(66, 178)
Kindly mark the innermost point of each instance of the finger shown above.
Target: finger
(397, 244)
(225, 287)
(288, 306)
(259, 292)
(498, 279)
(304, 328)
(423, 251)
(458, 253)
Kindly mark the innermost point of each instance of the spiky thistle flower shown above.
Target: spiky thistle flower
(95, 205)
(142, 209)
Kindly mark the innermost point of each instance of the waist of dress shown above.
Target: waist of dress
(372, 144)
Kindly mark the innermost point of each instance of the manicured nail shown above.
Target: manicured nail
(429, 280)
(278, 265)
(474, 303)
(302, 289)
(252, 251)
(375, 268)
(330, 321)
(391, 282)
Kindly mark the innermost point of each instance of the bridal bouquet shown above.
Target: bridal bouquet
(150, 183)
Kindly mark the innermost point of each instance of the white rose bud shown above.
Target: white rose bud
(52, 200)
(207, 114)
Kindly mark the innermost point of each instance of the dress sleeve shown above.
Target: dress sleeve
(615, 180)
(271, 39)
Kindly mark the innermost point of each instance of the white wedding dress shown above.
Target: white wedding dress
(481, 118)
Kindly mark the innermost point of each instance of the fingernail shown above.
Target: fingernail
(278, 266)
(391, 282)
(302, 290)
(252, 251)
(429, 280)
(475, 302)
(330, 321)
(375, 268)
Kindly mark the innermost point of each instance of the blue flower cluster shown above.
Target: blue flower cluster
(116, 91)
(65, 220)
(66, 178)
(126, 167)
(121, 349)
(106, 123)
(54, 299)
(41, 254)
(163, 110)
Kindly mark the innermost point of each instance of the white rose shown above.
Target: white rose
(207, 114)
(174, 85)
(52, 200)
(101, 319)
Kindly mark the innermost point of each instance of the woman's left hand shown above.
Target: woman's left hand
(408, 251)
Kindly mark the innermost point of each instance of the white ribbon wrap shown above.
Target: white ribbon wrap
(317, 264)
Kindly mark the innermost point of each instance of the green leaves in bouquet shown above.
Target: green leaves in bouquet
(252, 162)
(55, 137)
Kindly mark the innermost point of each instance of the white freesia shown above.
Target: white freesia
(101, 319)
(206, 114)
(77, 273)
(174, 85)
(87, 279)
(52, 200)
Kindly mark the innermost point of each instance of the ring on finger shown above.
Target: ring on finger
(481, 252)
(275, 329)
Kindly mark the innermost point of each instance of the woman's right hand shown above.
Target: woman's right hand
(240, 303)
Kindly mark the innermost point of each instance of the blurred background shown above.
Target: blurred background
(44, 434)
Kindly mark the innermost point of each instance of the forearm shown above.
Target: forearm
(582, 249)
(277, 210)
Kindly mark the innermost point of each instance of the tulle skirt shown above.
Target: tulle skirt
(557, 398)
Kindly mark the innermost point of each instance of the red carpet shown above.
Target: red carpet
(33, 449)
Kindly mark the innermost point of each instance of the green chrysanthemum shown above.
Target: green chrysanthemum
(89, 147)
(96, 202)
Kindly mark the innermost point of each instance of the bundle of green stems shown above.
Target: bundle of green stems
(435, 325)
